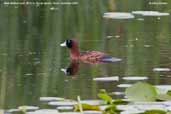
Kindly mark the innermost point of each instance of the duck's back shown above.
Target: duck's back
(97, 57)
(91, 56)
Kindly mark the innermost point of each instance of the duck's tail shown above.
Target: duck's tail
(110, 59)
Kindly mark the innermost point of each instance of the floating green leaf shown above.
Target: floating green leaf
(169, 93)
(119, 101)
(86, 107)
(104, 96)
(141, 91)
(154, 112)
(111, 109)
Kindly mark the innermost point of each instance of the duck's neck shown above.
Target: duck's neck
(74, 53)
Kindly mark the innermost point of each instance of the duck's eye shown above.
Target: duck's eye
(69, 71)
(69, 43)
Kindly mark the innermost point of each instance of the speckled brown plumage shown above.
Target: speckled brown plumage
(88, 56)
(92, 56)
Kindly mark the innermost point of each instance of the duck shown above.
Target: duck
(91, 57)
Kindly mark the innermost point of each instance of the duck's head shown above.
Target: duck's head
(68, 43)
(73, 46)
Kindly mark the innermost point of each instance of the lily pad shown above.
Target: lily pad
(44, 111)
(51, 99)
(1, 111)
(141, 91)
(163, 89)
(132, 112)
(63, 103)
(141, 107)
(161, 69)
(65, 108)
(92, 112)
(135, 78)
(28, 108)
(13, 110)
(104, 79)
(150, 13)
(124, 85)
(118, 93)
(118, 15)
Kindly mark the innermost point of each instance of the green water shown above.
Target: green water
(31, 56)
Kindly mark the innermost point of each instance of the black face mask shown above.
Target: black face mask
(69, 43)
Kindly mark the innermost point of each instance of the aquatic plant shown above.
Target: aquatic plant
(154, 112)
(111, 103)
(86, 107)
(83, 106)
(141, 91)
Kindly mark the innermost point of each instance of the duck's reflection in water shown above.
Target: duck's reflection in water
(72, 69)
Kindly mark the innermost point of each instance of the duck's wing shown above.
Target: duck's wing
(97, 57)
(92, 55)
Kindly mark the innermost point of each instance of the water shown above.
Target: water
(31, 57)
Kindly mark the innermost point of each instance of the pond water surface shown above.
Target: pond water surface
(31, 58)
